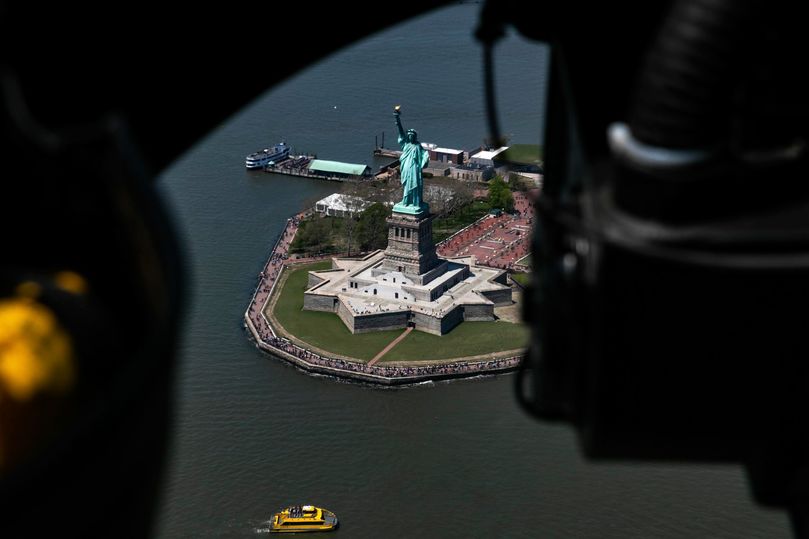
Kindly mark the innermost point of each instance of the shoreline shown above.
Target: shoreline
(263, 334)
(389, 375)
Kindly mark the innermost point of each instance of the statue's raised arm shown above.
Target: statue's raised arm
(397, 113)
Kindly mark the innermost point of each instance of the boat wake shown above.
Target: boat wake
(264, 527)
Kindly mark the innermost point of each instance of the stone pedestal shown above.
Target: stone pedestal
(410, 246)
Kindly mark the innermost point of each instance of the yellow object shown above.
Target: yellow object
(28, 289)
(303, 518)
(36, 353)
(71, 281)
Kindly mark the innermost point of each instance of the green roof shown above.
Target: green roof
(321, 165)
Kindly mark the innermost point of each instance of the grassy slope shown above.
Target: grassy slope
(529, 154)
(522, 278)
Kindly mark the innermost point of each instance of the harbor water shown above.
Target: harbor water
(458, 459)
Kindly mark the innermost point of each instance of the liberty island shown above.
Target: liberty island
(407, 285)
(242, 412)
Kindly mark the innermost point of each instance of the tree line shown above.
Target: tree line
(367, 230)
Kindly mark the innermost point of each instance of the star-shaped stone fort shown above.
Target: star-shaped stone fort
(407, 284)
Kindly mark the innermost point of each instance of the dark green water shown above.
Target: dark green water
(447, 460)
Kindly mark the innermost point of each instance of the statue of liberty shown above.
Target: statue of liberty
(413, 159)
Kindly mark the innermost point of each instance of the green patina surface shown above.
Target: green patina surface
(321, 165)
(411, 162)
(424, 209)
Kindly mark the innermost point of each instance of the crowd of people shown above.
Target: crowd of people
(310, 360)
(269, 275)
(497, 242)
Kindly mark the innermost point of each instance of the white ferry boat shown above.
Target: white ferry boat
(262, 158)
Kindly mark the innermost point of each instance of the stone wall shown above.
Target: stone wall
(313, 280)
(434, 273)
(472, 174)
(438, 326)
(318, 302)
(427, 323)
(345, 314)
(501, 278)
(500, 298)
(478, 313)
(420, 294)
(436, 168)
(364, 323)
(452, 319)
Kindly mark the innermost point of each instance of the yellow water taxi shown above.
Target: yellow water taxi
(303, 518)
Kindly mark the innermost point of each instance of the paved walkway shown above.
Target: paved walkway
(269, 275)
(497, 242)
(388, 348)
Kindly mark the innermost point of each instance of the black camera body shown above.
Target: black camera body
(671, 254)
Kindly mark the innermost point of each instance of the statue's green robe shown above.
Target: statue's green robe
(413, 159)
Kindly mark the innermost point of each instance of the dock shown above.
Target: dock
(384, 152)
(298, 165)
(309, 166)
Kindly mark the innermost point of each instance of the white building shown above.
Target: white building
(337, 205)
(486, 157)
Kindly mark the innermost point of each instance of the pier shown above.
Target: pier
(309, 166)
(299, 165)
(384, 152)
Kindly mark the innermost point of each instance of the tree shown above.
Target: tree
(500, 195)
(463, 194)
(351, 219)
(312, 237)
(372, 230)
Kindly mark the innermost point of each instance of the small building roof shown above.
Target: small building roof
(321, 165)
(448, 151)
(489, 154)
(337, 201)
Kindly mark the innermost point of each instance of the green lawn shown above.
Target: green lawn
(466, 339)
(528, 154)
(522, 278)
(526, 260)
(326, 331)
